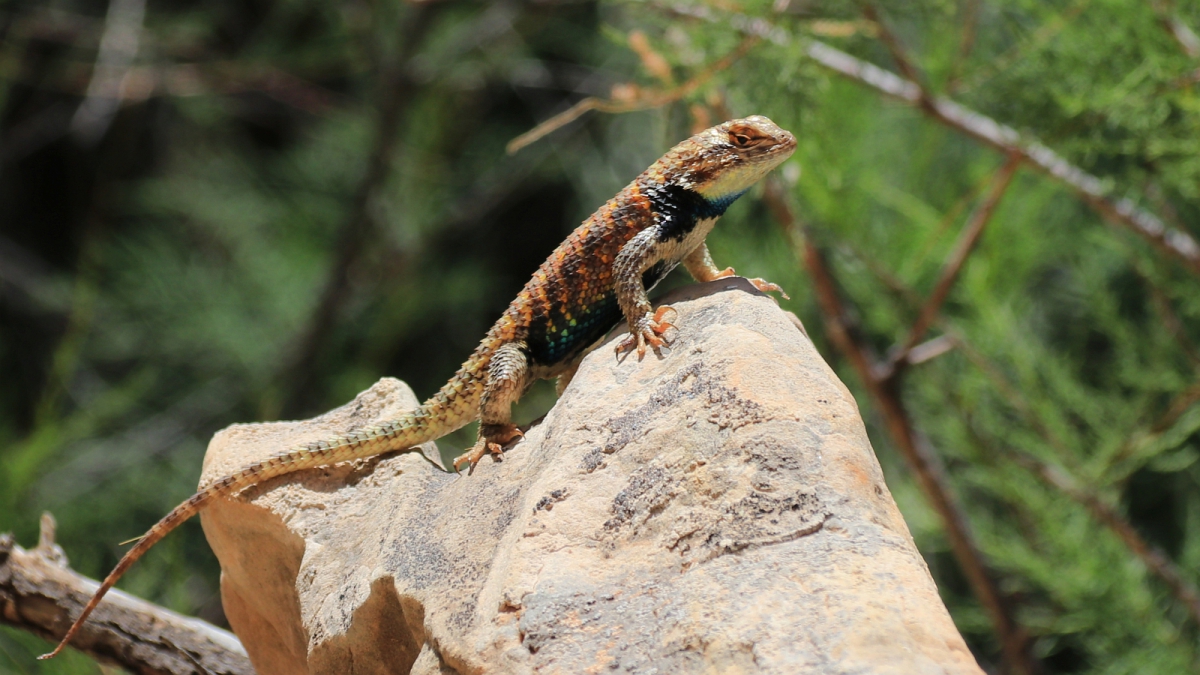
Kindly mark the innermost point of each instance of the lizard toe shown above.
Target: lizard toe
(768, 287)
(493, 438)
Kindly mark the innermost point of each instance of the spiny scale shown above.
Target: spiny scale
(601, 272)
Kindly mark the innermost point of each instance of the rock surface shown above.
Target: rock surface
(716, 510)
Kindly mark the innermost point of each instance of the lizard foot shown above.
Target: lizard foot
(768, 287)
(761, 284)
(649, 330)
(492, 438)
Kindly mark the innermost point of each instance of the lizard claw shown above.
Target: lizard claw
(768, 287)
(761, 284)
(492, 439)
(648, 331)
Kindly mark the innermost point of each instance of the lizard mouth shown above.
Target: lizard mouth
(785, 144)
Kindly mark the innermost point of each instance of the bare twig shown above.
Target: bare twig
(1186, 80)
(1176, 28)
(40, 594)
(1090, 189)
(118, 47)
(1154, 559)
(1005, 139)
(950, 216)
(958, 256)
(633, 99)
(918, 454)
(930, 350)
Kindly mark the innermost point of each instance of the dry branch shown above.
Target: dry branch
(118, 48)
(638, 99)
(1089, 188)
(39, 593)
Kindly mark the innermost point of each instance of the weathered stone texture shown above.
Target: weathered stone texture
(716, 510)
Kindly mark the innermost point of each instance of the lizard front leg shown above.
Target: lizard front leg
(638, 255)
(507, 378)
(699, 264)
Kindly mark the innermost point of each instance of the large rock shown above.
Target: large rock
(716, 510)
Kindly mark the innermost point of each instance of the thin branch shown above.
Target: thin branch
(1014, 397)
(1180, 405)
(118, 47)
(1185, 37)
(1154, 559)
(631, 99)
(1090, 189)
(958, 256)
(1186, 80)
(930, 350)
(915, 448)
(39, 593)
(950, 216)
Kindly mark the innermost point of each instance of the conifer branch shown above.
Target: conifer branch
(1088, 188)
(1151, 556)
(1057, 479)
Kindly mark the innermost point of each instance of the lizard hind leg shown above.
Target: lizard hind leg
(507, 378)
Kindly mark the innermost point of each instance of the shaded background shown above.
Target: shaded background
(227, 211)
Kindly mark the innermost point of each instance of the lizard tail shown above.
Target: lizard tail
(452, 408)
(172, 520)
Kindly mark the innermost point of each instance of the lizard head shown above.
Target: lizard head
(723, 162)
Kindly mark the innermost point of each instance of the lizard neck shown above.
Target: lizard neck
(677, 209)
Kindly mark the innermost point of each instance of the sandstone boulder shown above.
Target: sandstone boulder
(715, 510)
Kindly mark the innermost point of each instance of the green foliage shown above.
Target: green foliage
(158, 286)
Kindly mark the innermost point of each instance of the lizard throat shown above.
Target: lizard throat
(677, 209)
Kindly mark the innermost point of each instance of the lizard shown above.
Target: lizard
(598, 275)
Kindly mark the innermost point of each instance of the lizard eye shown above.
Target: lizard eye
(743, 137)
